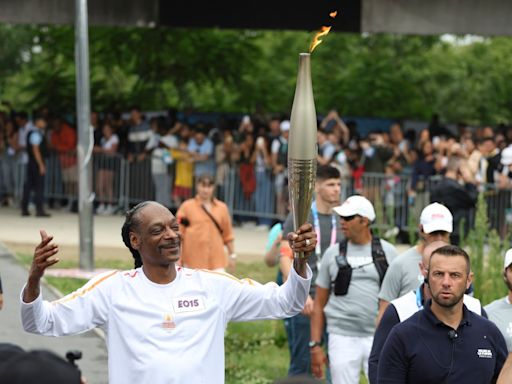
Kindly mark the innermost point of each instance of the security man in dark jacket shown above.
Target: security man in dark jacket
(402, 308)
(36, 169)
(444, 342)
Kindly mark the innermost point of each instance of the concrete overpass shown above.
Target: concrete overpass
(489, 17)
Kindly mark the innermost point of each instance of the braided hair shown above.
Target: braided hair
(131, 223)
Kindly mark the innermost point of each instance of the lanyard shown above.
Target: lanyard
(419, 298)
(316, 223)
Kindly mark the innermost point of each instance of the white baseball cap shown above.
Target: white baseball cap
(508, 258)
(436, 217)
(356, 205)
(285, 125)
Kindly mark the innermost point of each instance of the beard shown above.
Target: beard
(508, 284)
(447, 303)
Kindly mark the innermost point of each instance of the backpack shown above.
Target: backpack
(342, 281)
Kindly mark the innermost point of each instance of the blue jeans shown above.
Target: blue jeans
(298, 331)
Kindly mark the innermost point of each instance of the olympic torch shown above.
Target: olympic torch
(302, 145)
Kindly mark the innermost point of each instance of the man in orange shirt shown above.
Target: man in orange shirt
(205, 226)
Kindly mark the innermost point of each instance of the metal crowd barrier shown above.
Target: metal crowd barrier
(124, 183)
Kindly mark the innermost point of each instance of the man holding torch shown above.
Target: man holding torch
(164, 323)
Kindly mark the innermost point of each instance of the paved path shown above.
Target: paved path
(94, 361)
(249, 241)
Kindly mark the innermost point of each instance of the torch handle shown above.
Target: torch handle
(301, 181)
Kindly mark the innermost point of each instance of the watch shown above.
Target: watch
(313, 344)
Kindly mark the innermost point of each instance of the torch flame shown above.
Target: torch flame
(323, 31)
(316, 40)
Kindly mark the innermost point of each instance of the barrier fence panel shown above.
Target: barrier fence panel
(7, 178)
(108, 182)
(250, 197)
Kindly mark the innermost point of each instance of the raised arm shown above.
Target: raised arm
(245, 300)
(74, 313)
(42, 259)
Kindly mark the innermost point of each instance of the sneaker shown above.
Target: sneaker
(25, 213)
(101, 209)
(43, 214)
(109, 210)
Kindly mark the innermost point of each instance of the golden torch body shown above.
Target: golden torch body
(302, 145)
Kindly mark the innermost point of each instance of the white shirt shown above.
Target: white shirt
(109, 143)
(22, 140)
(171, 333)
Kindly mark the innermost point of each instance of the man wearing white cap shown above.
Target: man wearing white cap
(436, 223)
(347, 286)
(500, 311)
(279, 157)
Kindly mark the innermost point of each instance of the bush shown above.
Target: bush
(486, 250)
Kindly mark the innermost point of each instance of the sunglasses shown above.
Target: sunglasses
(348, 218)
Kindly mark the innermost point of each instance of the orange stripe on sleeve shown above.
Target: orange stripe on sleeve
(82, 291)
(222, 274)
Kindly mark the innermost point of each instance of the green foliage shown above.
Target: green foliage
(492, 285)
(462, 233)
(412, 225)
(476, 241)
(16, 43)
(244, 70)
(256, 352)
(486, 250)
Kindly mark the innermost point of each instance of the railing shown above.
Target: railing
(124, 183)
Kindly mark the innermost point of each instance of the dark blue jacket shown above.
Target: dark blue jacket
(388, 321)
(424, 350)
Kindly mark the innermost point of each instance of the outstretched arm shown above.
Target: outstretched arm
(246, 300)
(42, 260)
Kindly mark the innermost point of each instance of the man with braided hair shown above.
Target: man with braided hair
(164, 323)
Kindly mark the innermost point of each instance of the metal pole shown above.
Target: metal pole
(85, 137)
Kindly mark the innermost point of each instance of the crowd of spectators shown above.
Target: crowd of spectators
(171, 149)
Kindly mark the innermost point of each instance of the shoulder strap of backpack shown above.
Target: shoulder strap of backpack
(343, 251)
(379, 258)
